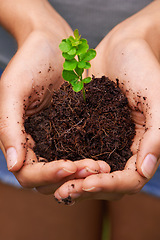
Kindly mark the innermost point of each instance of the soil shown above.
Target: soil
(100, 128)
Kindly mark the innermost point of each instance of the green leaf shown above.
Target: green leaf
(71, 39)
(68, 41)
(84, 41)
(70, 64)
(76, 34)
(79, 71)
(87, 80)
(73, 82)
(74, 42)
(81, 64)
(67, 56)
(69, 75)
(89, 55)
(83, 47)
(72, 51)
(65, 46)
(88, 65)
(78, 86)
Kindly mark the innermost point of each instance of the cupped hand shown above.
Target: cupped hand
(26, 87)
(130, 52)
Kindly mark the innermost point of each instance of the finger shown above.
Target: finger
(72, 191)
(106, 186)
(38, 105)
(86, 167)
(104, 167)
(69, 192)
(149, 148)
(126, 181)
(12, 132)
(35, 174)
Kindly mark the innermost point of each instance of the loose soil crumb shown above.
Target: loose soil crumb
(100, 128)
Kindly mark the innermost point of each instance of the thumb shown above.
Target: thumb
(149, 149)
(12, 132)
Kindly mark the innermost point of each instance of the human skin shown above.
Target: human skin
(131, 53)
(26, 87)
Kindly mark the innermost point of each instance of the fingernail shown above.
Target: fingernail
(148, 165)
(83, 172)
(11, 155)
(68, 170)
(62, 172)
(94, 189)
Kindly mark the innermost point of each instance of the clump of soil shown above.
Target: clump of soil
(100, 128)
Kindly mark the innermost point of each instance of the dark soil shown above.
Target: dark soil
(101, 128)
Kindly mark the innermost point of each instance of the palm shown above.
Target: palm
(33, 70)
(135, 65)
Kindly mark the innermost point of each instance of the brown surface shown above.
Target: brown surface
(135, 217)
(25, 215)
(71, 129)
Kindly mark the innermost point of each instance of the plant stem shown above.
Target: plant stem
(84, 94)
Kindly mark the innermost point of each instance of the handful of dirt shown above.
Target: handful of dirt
(100, 128)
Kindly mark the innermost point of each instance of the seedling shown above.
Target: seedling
(77, 55)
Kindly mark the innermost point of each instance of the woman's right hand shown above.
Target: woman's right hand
(130, 52)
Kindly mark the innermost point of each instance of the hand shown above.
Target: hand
(131, 54)
(26, 87)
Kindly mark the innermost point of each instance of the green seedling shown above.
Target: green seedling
(77, 55)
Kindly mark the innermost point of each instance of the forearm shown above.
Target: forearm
(20, 17)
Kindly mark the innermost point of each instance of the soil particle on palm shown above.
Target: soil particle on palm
(100, 128)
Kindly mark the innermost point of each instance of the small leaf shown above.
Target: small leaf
(84, 41)
(73, 82)
(74, 42)
(67, 56)
(78, 86)
(68, 41)
(83, 47)
(81, 64)
(70, 64)
(76, 34)
(69, 75)
(79, 71)
(89, 55)
(65, 46)
(88, 65)
(71, 38)
(87, 80)
(72, 51)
